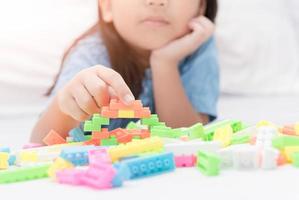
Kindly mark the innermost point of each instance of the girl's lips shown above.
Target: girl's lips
(155, 22)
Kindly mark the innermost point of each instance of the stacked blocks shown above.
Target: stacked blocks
(117, 109)
(78, 156)
(95, 123)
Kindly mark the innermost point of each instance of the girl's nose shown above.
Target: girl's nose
(157, 3)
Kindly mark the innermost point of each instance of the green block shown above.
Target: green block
(236, 126)
(109, 141)
(87, 137)
(162, 131)
(88, 126)
(295, 159)
(24, 174)
(196, 131)
(153, 120)
(96, 127)
(208, 163)
(132, 126)
(281, 142)
(240, 139)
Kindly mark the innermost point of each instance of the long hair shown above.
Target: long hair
(122, 58)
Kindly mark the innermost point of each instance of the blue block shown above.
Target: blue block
(77, 134)
(150, 165)
(12, 160)
(5, 149)
(77, 155)
(122, 174)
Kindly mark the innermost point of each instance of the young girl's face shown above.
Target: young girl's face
(150, 24)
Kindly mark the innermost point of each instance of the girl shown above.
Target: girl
(160, 51)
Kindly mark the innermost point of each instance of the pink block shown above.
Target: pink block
(32, 145)
(70, 176)
(98, 156)
(185, 161)
(99, 178)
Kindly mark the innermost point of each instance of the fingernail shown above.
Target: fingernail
(129, 99)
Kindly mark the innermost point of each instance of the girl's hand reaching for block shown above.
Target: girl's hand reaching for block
(91, 89)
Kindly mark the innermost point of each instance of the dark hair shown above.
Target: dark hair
(122, 58)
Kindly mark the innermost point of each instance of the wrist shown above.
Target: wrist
(159, 61)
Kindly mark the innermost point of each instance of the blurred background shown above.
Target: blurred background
(258, 43)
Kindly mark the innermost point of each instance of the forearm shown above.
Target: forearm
(171, 101)
(52, 118)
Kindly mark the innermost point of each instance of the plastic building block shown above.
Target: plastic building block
(150, 165)
(192, 147)
(281, 142)
(24, 174)
(100, 120)
(59, 164)
(240, 139)
(153, 120)
(12, 160)
(77, 134)
(140, 134)
(288, 131)
(289, 150)
(246, 157)
(96, 156)
(295, 158)
(32, 145)
(53, 138)
(132, 125)
(185, 161)
(88, 126)
(269, 157)
(70, 176)
(133, 148)
(208, 163)
(4, 160)
(296, 127)
(109, 113)
(226, 155)
(224, 135)
(77, 155)
(143, 113)
(264, 136)
(118, 105)
(5, 149)
(109, 141)
(96, 123)
(27, 157)
(104, 134)
(196, 131)
(126, 114)
(163, 131)
(281, 160)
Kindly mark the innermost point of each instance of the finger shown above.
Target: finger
(112, 93)
(114, 79)
(76, 112)
(98, 89)
(85, 100)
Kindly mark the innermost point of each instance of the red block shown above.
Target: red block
(104, 134)
(95, 142)
(106, 112)
(118, 105)
(124, 138)
(143, 113)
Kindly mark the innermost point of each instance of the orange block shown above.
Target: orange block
(118, 105)
(124, 138)
(53, 138)
(106, 112)
(118, 132)
(93, 141)
(140, 133)
(288, 131)
(143, 113)
(104, 134)
(281, 160)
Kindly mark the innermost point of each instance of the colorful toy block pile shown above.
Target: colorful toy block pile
(99, 158)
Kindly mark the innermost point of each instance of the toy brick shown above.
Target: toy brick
(185, 161)
(32, 145)
(98, 156)
(240, 139)
(78, 156)
(150, 165)
(118, 132)
(289, 151)
(53, 138)
(196, 131)
(143, 113)
(133, 148)
(281, 142)
(124, 138)
(288, 131)
(24, 174)
(77, 134)
(140, 134)
(208, 163)
(106, 112)
(109, 141)
(132, 125)
(100, 120)
(59, 164)
(100, 135)
(70, 176)
(295, 158)
(5, 149)
(269, 157)
(125, 114)
(4, 164)
(88, 126)
(151, 121)
(296, 127)
(118, 105)
(224, 135)
(246, 157)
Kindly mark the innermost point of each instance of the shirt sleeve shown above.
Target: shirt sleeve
(200, 77)
(87, 53)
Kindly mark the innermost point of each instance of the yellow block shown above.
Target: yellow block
(224, 135)
(153, 144)
(4, 160)
(28, 156)
(264, 123)
(297, 128)
(288, 151)
(126, 114)
(59, 164)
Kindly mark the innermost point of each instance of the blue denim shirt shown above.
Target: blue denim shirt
(199, 74)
